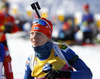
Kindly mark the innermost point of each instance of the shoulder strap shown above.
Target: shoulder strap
(59, 53)
(32, 59)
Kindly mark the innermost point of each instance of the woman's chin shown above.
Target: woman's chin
(35, 45)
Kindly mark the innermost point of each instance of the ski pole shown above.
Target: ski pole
(36, 6)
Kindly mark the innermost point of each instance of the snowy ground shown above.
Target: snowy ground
(20, 49)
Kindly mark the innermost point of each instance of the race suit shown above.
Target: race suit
(37, 69)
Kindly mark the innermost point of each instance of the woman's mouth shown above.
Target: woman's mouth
(34, 42)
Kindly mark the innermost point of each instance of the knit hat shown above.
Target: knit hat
(86, 6)
(42, 25)
(6, 4)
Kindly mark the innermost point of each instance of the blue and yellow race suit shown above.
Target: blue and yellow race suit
(40, 68)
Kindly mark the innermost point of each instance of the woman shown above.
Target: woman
(52, 60)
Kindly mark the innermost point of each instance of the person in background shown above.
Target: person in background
(67, 31)
(50, 60)
(7, 25)
(87, 25)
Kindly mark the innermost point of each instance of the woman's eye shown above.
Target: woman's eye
(39, 33)
(31, 33)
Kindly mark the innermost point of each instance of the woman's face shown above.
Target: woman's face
(38, 38)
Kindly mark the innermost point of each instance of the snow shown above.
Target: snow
(91, 56)
(20, 48)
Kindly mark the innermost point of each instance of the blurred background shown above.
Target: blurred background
(66, 15)
(75, 22)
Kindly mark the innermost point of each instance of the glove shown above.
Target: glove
(8, 27)
(58, 74)
(90, 21)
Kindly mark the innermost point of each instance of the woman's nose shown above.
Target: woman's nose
(34, 36)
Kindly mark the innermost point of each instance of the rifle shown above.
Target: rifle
(35, 6)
